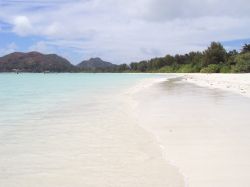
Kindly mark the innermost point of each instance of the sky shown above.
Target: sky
(121, 31)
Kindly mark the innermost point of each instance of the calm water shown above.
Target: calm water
(32, 96)
(92, 130)
(76, 130)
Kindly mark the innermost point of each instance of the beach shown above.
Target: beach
(237, 83)
(201, 123)
(124, 93)
(127, 130)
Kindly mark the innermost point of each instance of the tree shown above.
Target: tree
(242, 63)
(142, 66)
(134, 66)
(157, 63)
(246, 48)
(169, 60)
(181, 59)
(232, 53)
(215, 54)
(122, 68)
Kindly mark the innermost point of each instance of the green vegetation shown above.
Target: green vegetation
(215, 59)
(242, 63)
(211, 68)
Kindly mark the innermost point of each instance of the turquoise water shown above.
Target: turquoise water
(30, 96)
(76, 130)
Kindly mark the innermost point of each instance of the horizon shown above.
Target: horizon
(121, 32)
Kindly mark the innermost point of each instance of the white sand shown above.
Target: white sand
(237, 83)
(204, 132)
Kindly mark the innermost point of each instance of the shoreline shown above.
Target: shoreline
(236, 83)
(139, 87)
(193, 148)
(88, 137)
(139, 133)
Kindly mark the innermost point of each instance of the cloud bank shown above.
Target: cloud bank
(124, 31)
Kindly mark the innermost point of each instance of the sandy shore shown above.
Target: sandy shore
(237, 83)
(203, 132)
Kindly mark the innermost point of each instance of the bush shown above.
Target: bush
(167, 69)
(225, 69)
(188, 68)
(212, 68)
(242, 63)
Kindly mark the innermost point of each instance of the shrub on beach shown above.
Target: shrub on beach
(167, 69)
(212, 68)
(242, 63)
(188, 68)
(225, 69)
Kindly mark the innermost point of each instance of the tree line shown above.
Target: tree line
(215, 59)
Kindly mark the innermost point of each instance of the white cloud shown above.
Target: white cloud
(22, 25)
(124, 31)
(163, 10)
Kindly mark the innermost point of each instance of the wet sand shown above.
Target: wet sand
(204, 132)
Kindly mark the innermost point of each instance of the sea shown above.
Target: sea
(77, 129)
(120, 130)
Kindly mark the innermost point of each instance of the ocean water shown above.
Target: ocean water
(120, 130)
(36, 97)
(77, 130)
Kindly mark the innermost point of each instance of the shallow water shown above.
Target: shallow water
(77, 130)
(204, 132)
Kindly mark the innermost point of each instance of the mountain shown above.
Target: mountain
(34, 62)
(96, 64)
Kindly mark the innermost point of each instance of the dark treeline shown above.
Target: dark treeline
(122, 68)
(215, 59)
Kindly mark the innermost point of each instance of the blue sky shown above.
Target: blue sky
(121, 31)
